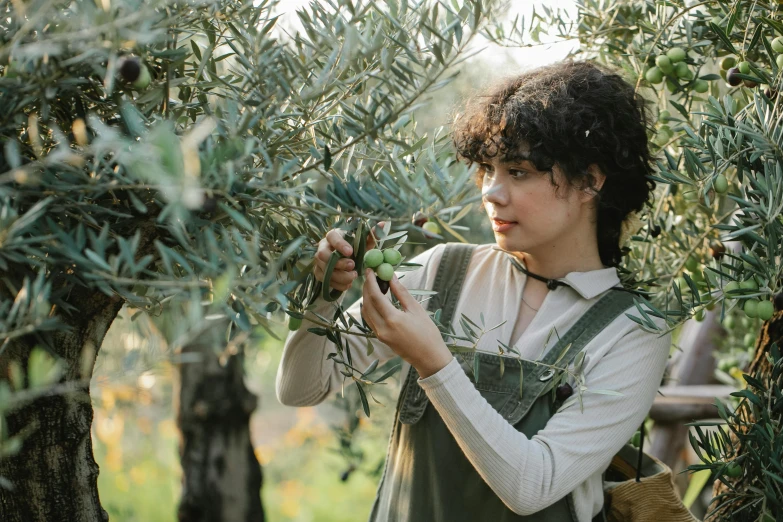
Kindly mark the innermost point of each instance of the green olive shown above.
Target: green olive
(730, 288)
(676, 54)
(385, 272)
(294, 323)
(751, 308)
(729, 322)
(721, 184)
(654, 75)
(733, 470)
(701, 86)
(664, 63)
(744, 67)
(373, 258)
(728, 62)
(392, 256)
(765, 310)
(432, 227)
(777, 45)
(749, 284)
(664, 116)
(682, 70)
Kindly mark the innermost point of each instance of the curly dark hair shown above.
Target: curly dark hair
(573, 114)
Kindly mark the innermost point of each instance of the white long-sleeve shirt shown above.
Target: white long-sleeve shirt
(572, 451)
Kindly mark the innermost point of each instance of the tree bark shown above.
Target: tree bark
(221, 475)
(54, 475)
(761, 369)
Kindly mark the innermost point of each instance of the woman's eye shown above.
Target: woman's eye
(517, 173)
(485, 169)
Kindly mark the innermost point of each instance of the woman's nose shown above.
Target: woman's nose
(494, 191)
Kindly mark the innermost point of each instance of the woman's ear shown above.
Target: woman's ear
(598, 180)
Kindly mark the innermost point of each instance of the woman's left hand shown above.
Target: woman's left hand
(409, 332)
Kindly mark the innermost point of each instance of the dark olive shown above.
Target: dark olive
(383, 285)
(563, 392)
(656, 231)
(130, 69)
(419, 218)
(717, 249)
(750, 84)
(732, 78)
(770, 93)
(779, 301)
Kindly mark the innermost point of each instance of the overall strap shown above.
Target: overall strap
(448, 283)
(590, 324)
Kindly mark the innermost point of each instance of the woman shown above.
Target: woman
(563, 162)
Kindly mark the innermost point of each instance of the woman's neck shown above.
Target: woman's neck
(558, 267)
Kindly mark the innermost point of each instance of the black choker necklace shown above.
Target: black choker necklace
(550, 283)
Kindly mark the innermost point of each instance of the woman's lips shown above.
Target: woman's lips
(498, 225)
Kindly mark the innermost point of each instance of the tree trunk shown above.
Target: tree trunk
(761, 369)
(221, 475)
(54, 475)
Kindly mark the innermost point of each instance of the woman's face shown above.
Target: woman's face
(540, 221)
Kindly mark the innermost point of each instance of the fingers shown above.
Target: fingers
(370, 303)
(342, 276)
(379, 301)
(342, 280)
(336, 242)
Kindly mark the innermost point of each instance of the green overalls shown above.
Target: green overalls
(427, 477)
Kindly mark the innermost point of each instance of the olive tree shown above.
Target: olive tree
(712, 72)
(188, 156)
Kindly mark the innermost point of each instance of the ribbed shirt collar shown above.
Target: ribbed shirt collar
(587, 284)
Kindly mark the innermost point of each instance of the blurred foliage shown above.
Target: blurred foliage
(301, 453)
(188, 155)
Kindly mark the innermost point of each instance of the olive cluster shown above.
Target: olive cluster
(672, 67)
(383, 262)
(730, 69)
(763, 309)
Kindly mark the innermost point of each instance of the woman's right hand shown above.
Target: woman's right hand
(344, 273)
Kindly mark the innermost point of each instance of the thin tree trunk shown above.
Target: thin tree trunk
(54, 475)
(221, 475)
(761, 369)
